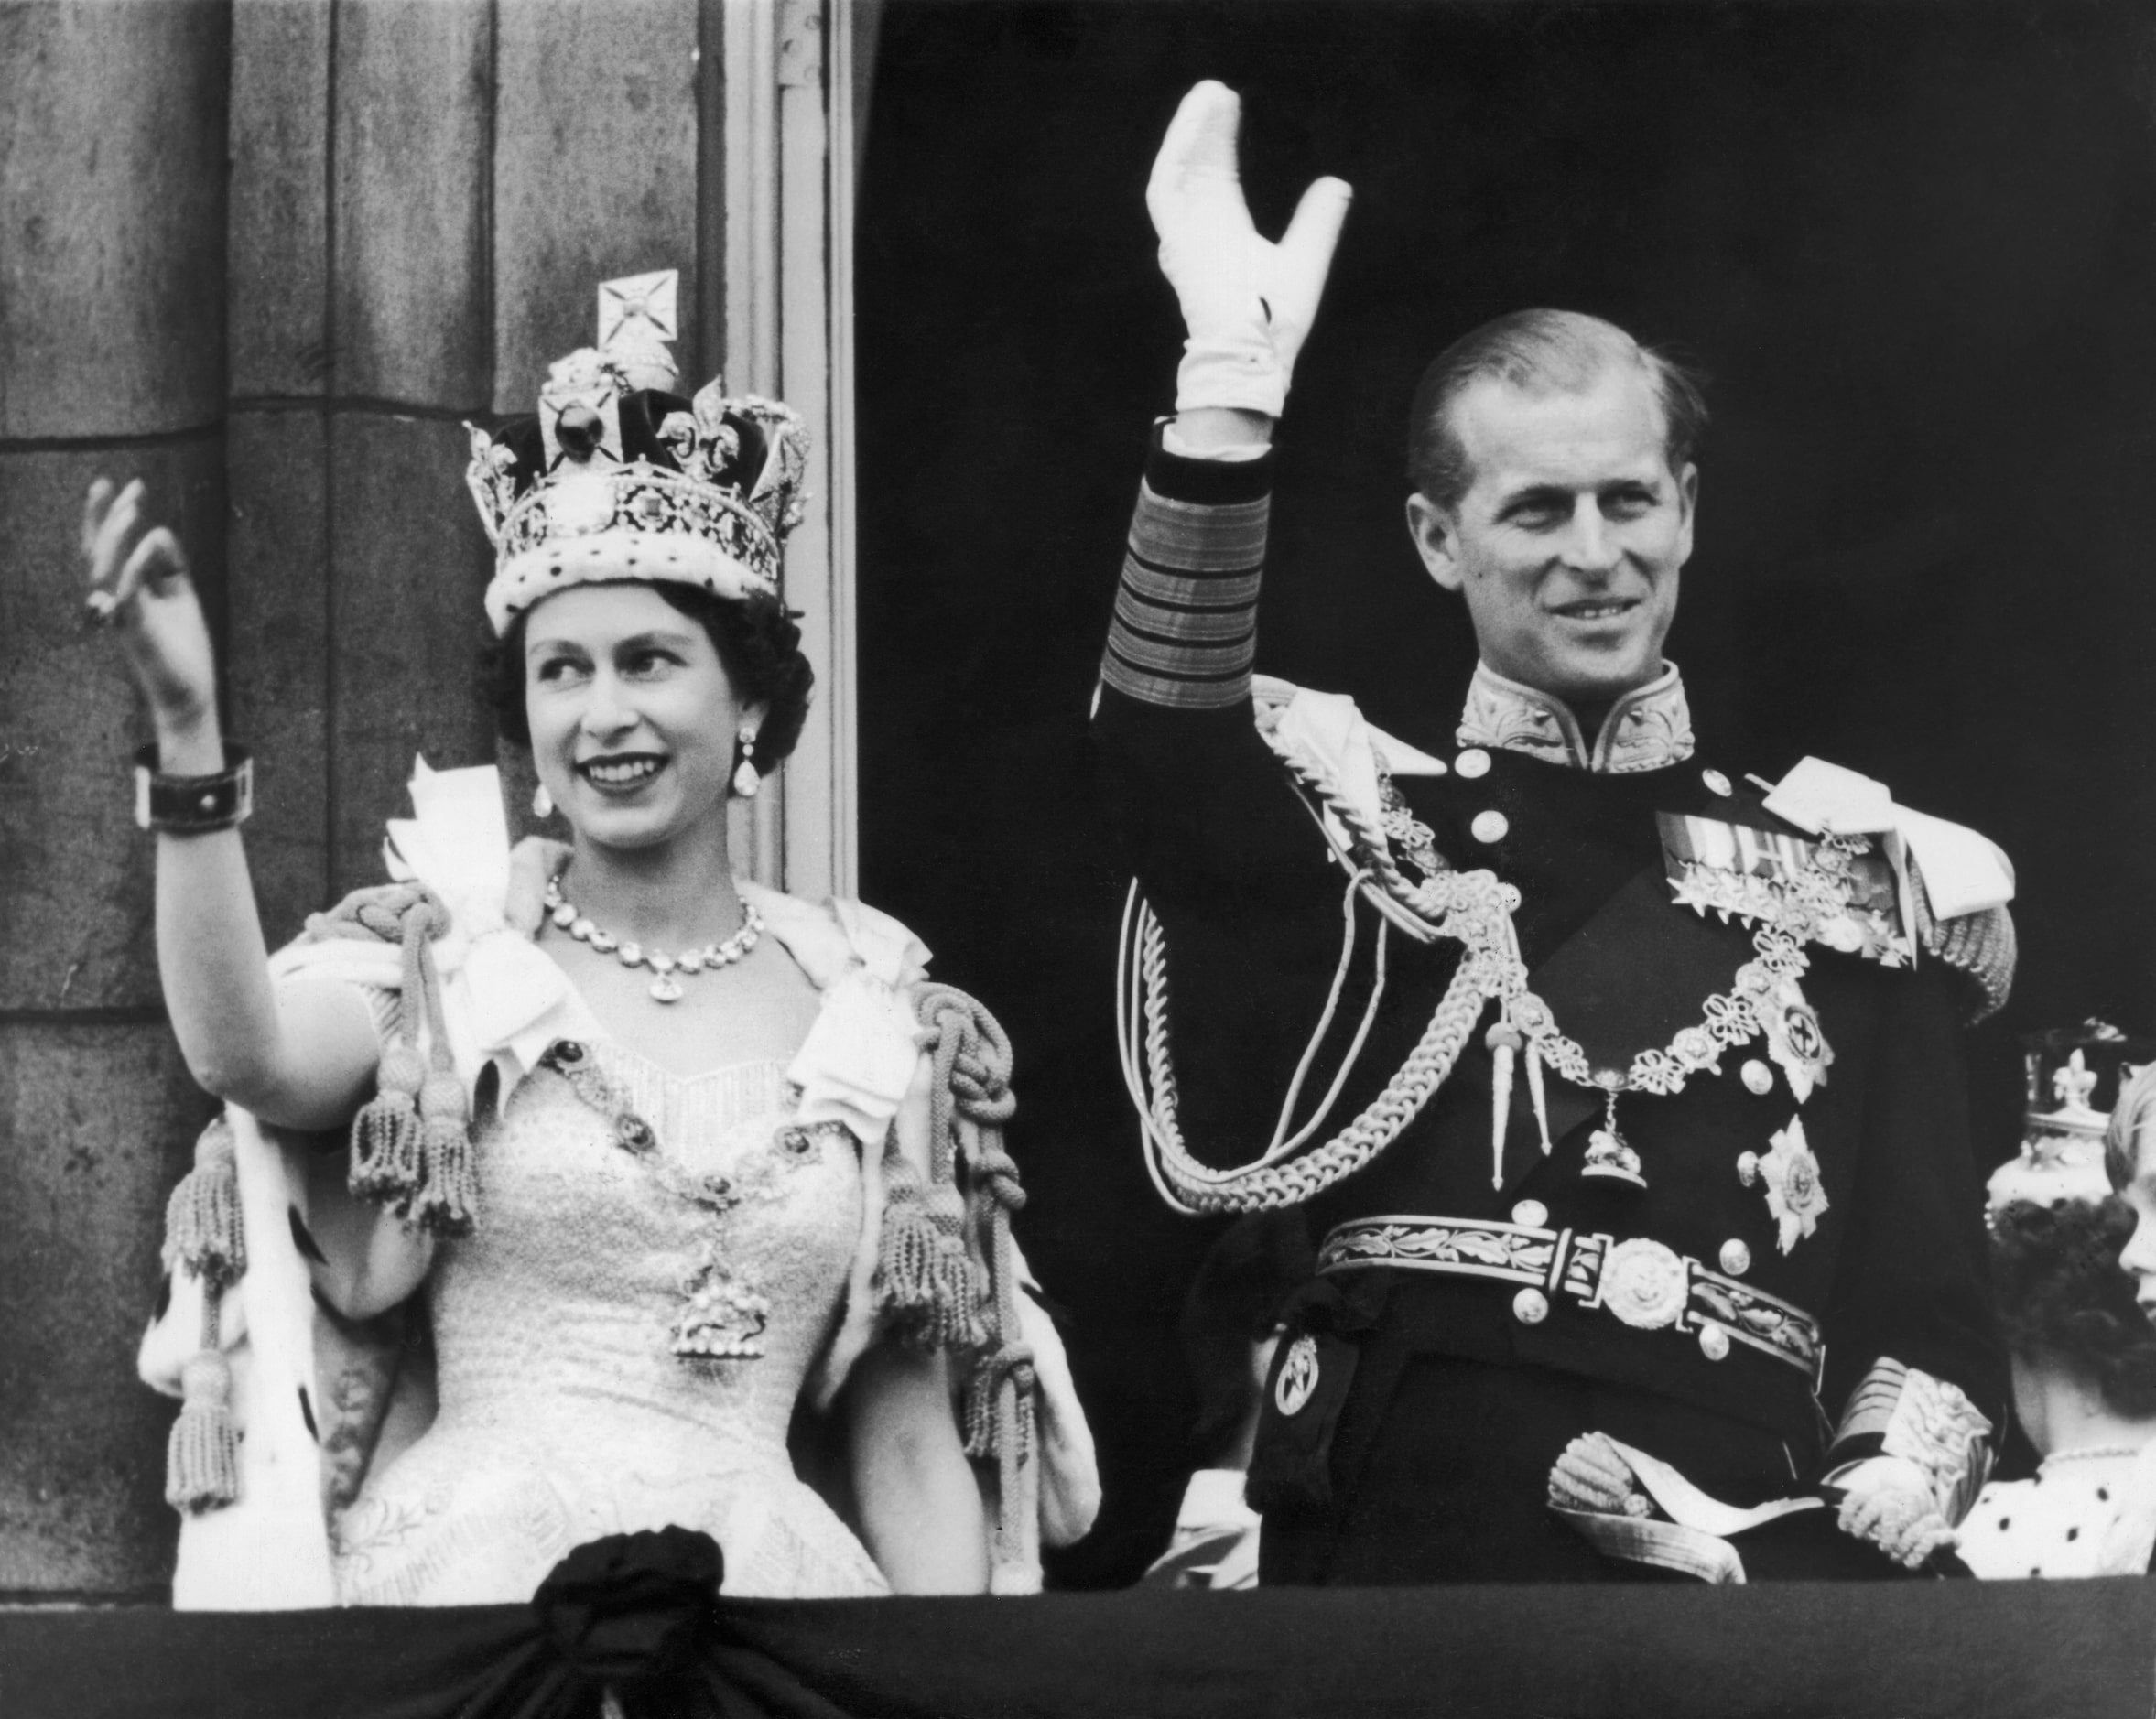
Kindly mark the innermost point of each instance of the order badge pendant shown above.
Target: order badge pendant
(722, 1319)
(1298, 1376)
(1611, 1159)
(1610, 1156)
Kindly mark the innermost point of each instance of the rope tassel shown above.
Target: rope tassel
(906, 1254)
(202, 1456)
(448, 1190)
(202, 1217)
(411, 1142)
(388, 1150)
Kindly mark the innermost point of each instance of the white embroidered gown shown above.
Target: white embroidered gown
(567, 1412)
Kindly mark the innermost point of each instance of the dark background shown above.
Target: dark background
(1911, 244)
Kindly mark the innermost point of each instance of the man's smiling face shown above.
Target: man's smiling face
(1568, 543)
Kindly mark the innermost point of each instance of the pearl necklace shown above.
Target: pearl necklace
(2090, 1452)
(665, 987)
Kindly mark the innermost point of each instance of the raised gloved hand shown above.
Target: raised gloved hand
(1248, 303)
(1888, 1501)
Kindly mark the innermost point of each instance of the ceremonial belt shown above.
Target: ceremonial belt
(1639, 1281)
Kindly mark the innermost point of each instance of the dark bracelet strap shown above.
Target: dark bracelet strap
(194, 805)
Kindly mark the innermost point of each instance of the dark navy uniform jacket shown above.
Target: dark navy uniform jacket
(1249, 898)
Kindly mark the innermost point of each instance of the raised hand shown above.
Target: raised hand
(1248, 303)
(138, 585)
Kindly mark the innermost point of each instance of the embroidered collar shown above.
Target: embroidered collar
(1648, 728)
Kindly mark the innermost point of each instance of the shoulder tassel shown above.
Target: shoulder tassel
(203, 1235)
(411, 1142)
(971, 1082)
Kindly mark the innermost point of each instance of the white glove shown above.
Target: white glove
(1247, 302)
(1888, 1501)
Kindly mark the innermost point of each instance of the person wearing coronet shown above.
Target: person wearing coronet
(1631, 1123)
(660, 1154)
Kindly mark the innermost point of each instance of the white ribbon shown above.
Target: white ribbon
(513, 998)
(1964, 872)
(1326, 730)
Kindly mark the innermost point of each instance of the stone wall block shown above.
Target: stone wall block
(593, 188)
(111, 201)
(278, 670)
(409, 567)
(75, 873)
(96, 1125)
(279, 219)
(410, 320)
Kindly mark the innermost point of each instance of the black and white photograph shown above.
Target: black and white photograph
(1077, 857)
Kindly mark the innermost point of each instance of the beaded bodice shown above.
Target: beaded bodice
(565, 1307)
(620, 1343)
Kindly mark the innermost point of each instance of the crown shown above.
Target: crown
(619, 476)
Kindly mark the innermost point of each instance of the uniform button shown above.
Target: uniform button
(1748, 1168)
(1717, 783)
(1531, 1307)
(1736, 1257)
(1534, 1213)
(1714, 1342)
(1756, 1077)
(1471, 763)
(1490, 826)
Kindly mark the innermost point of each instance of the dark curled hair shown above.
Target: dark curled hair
(2064, 1298)
(1540, 351)
(757, 641)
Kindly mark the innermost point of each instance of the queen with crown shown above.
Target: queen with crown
(551, 1184)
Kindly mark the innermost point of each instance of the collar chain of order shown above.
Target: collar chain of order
(1474, 909)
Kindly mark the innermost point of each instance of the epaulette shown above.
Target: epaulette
(1959, 881)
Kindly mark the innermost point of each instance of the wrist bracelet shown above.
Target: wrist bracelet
(194, 805)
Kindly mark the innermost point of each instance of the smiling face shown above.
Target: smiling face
(633, 715)
(1567, 544)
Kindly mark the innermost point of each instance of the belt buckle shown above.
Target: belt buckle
(1644, 1284)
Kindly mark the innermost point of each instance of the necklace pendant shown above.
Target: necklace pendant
(666, 988)
(1610, 1159)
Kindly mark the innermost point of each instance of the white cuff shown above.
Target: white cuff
(1243, 374)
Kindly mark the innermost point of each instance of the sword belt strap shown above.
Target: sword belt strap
(1639, 1281)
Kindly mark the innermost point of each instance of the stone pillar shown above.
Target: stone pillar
(112, 318)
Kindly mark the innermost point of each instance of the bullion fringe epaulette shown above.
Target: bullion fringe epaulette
(202, 1233)
(1980, 946)
(946, 1268)
(411, 1143)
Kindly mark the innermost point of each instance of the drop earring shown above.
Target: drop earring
(745, 779)
(542, 802)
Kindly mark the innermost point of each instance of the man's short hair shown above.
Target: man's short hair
(1542, 351)
(2130, 1119)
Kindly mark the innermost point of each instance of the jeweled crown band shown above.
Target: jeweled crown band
(639, 522)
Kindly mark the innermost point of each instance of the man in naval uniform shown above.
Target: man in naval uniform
(1651, 1239)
